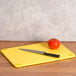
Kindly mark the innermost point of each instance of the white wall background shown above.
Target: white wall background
(36, 20)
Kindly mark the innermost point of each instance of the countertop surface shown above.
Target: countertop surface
(58, 68)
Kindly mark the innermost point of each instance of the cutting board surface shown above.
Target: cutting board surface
(20, 58)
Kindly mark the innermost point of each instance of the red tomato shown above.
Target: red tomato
(54, 43)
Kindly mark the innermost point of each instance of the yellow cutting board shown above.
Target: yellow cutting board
(20, 58)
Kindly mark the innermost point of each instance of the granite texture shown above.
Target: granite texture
(37, 20)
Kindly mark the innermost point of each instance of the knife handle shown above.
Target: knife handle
(53, 55)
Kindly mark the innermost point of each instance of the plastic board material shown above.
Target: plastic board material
(20, 58)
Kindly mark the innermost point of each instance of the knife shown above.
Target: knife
(42, 52)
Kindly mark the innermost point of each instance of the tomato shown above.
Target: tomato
(54, 43)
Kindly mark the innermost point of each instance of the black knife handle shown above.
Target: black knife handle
(53, 55)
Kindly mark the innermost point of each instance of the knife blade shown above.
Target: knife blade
(42, 52)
